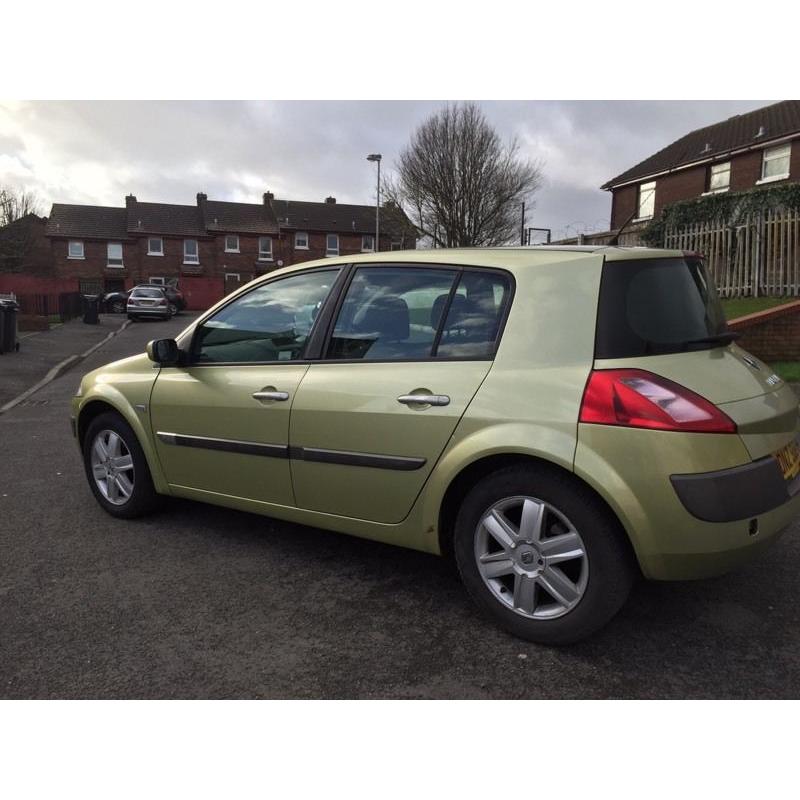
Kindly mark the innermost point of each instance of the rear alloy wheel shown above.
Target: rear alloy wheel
(541, 554)
(116, 468)
(118, 307)
(173, 309)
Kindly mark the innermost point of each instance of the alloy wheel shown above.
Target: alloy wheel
(531, 557)
(112, 467)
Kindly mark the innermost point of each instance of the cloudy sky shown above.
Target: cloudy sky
(97, 152)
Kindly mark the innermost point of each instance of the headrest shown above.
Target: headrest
(388, 317)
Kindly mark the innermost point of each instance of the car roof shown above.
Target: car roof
(502, 257)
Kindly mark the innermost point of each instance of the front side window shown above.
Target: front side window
(191, 254)
(269, 323)
(647, 200)
(775, 164)
(264, 248)
(232, 244)
(114, 254)
(155, 246)
(367, 244)
(719, 177)
(391, 313)
(75, 250)
(332, 244)
(301, 240)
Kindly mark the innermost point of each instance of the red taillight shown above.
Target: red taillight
(635, 398)
(131, 301)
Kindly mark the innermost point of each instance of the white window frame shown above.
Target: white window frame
(231, 236)
(121, 264)
(651, 200)
(158, 239)
(364, 248)
(188, 258)
(157, 281)
(264, 255)
(233, 275)
(297, 236)
(329, 252)
(396, 246)
(773, 154)
(82, 256)
(719, 169)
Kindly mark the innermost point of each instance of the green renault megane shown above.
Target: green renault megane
(557, 420)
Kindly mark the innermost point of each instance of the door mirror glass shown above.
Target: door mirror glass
(270, 323)
(163, 351)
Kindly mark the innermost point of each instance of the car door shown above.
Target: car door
(409, 348)
(221, 423)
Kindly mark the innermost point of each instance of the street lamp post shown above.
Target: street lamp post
(377, 158)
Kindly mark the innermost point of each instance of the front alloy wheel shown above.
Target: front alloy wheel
(531, 557)
(112, 467)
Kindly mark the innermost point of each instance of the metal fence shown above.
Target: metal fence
(758, 256)
(56, 307)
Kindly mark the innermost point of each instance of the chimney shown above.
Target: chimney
(330, 200)
(268, 198)
(201, 198)
(130, 199)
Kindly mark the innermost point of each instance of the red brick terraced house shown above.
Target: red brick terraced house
(749, 150)
(209, 248)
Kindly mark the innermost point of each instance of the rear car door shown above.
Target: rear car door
(222, 423)
(362, 444)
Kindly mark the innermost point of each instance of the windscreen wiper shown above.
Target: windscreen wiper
(726, 337)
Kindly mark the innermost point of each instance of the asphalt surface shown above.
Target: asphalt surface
(204, 602)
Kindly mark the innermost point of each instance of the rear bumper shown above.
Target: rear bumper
(148, 312)
(742, 492)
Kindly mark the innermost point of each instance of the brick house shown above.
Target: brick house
(209, 248)
(746, 151)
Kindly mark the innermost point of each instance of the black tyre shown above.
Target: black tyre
(118, 307)
(541, 555)
(116, 468)
(173, 309)
(131, 317)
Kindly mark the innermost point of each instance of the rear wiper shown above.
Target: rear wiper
(718, 338)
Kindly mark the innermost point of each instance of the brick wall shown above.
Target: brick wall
(685, 184)
(772, 335)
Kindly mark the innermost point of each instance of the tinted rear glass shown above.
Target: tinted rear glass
(148, 293)
(652, 306)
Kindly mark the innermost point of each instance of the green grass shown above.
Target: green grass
(740, 306)
(788, 370)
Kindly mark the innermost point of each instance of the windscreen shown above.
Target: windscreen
(659, 305)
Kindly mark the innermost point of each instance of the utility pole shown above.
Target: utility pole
(522, 225)
(377, 158)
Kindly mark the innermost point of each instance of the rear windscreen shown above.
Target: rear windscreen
(148, 293)
(660, 305)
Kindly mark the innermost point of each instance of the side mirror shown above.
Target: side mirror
(164, 352)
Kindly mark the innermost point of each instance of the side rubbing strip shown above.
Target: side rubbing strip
(225, 445)
(359, 459)
(345, 457)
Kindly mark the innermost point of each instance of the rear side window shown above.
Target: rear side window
(653, 306)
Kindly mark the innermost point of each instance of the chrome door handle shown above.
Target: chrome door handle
(271, 395)
(424, 399)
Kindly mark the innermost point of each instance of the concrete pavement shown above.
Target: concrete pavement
(204, 602)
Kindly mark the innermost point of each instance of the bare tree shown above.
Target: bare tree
(16, 204)
(459, 183)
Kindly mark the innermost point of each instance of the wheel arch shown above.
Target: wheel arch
(472, 473)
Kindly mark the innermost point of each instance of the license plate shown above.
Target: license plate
(788, 458)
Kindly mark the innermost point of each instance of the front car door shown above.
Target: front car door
(362, 443)
(221, 423)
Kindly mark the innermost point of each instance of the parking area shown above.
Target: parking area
(205, 602)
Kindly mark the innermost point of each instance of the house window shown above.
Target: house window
(301, 240)
(719, 177)
(75, 250)
(264, 248)
(155, 246)
(396, 246)
(114, 254)
(232, 244)
(332, 244)
(190, 252)
(367, 244)
(158, 281)
(775, 164)
(647, 200)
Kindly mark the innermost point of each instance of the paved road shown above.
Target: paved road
(204, 602)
